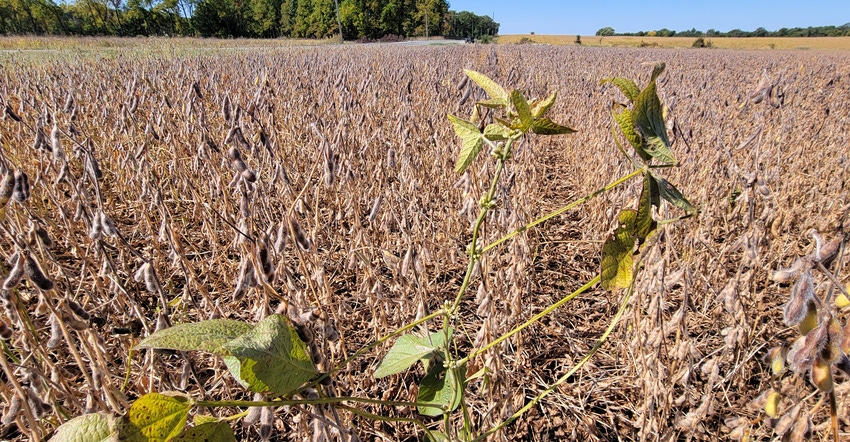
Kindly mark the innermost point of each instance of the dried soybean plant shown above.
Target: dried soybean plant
(144, 140)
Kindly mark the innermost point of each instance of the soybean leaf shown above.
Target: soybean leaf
(672, 195)
(407, 350)
(492, 103)
(441, 390)
(156, 417)
(627, 126)
(657, 70)
(497, 94)
(539, 107)
(208, 336)
(215, 431)
(523, 110)
(617, 251)
(496, 132)
(545, 126)
(92, 427)
(648, 119)
(629, 88)
(271, 358)
(644, 224)
(472, 142)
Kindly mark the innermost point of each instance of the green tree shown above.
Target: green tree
(605, 32)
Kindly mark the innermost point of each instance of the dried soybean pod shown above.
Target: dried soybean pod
(15, 275)
(79, 310)
(21, 191)
(34, 273)
(6, 332)
(107, 225)
(300, 237)
(7, 186)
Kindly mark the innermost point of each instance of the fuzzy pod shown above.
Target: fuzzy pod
(96, 231)
(225, 108)
(41, 233)
(266, 423)
(376, 207)
(56, 145)
(75, 323)
(280, 241)
(55, 333)
(151, 281)
(21, 191)
(93, 167)
(6, 332)
(249, 175)
(300, 236)
(822, 375)
(79, 310)
(12, 412)
(34, 273)
(391, 158)
(107, 225)
(7, 187)
(15, 275)
(265, 259)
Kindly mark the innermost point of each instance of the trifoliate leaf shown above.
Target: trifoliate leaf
(472, 142)
(497, 93)
(208, 336)
(441, 389)
(407, 350)
(271, 358)
(156, 417)
(92, 427)
(523, 110)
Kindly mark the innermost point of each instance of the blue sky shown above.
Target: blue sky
(585, 17)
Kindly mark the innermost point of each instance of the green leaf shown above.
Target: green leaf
(217, 431)
(523, 110)
(270, 358)
(156, 417)
(93, 427)
(672, 195)
(497, 93)
(492, 103)
(208, 336)
(644, 224)
(437, 436)
(627, 126)
(617, 253)
(545, 126)
(472, 142)
(407, 350)
(441, 390)
(648, 119)
(496, 132)
(539, 107)
(627, 86)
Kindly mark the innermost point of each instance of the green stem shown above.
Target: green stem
(474, 254)
(378, 417)
(562, 210)
(532, 320)
(567, 375)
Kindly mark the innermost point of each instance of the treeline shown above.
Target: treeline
(811, 31)
(359, 19)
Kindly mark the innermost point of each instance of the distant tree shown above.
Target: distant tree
(760, 32)
(605, 32)
(736, 33)
(664, 32)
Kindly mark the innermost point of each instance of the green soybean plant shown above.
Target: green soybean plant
(272, 358)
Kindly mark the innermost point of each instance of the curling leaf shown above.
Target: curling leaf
(648, 119)
(672, 195)
(523, 110)
(644, 224)
(627, 126)
(617, 253)
(629, 88)
(539, 107)
(407, 350)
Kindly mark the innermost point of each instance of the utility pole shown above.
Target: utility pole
(339, 22)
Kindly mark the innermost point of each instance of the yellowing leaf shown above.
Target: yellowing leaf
(627, 126)
(648, 120)
(617, 253)
(156, 417)
(539, 107)
(208, 336)
(545, 126)
(497, 93)
(93, 427)
(472, 142)
(523, 110)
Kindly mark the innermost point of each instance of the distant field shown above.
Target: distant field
(686, 42)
